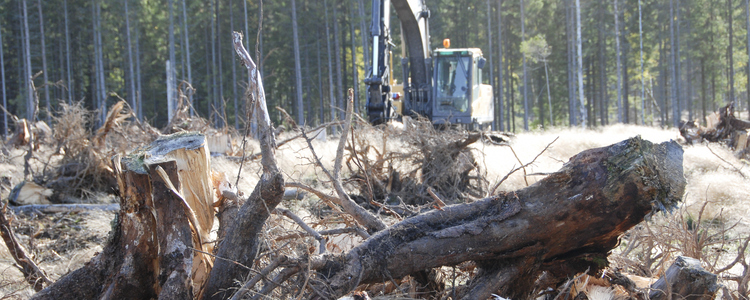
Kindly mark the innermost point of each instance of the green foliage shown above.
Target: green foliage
(703, 33)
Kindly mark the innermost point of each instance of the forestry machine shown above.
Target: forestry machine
(444, 85)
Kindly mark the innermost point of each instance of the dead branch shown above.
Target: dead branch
(289, 214)
(34, 275)
(242, 237)
(523, 166)
(263, 273)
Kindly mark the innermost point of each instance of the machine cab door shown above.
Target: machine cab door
(453, 87)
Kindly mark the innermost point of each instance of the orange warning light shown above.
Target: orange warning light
(447, 43)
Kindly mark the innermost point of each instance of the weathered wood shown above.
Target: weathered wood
(31, 272)
(29, 193)
(563, 224)
(240, 244)
(685, 279)
(149, 253)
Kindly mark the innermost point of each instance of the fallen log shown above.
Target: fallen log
(562, 225)
(685, 279)
(722, 126)
(166, 199)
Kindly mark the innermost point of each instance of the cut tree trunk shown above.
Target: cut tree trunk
(721, 127)
(166, 199)
(685, 279)
(564, 224)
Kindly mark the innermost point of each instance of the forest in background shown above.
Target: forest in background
(694, 57)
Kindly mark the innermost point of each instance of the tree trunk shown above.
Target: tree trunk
(363, 32)
(31, 105)
(321, 111)
(626, 89)
(234, 74)
(500, 70)
(67, 55)
(297, 68)
(549, 97)
(138, 85)
(678, 67)
(603, 100)
(643, 78)
(2, 80)
(355, 68)
(214, 87)
(339, 77)
(703, 91)
(222, 113)
(131, 92)
(331, 87)
(673, 68)
(569, 41)
(171, 76)
(187, 52)
(44, 63)
(165, 191)
(525, 73)
(241, 242)
(580, 64)
(95, 98)
(100, 59)
(621, 114)
(747, 27)
(527, 232)
(685, 279)
(490, 55)
(730, 51)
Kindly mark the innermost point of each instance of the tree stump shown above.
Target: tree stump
(685, 279)
(166, 211)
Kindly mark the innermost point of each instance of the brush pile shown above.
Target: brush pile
(427, 167)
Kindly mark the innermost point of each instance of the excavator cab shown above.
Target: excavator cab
(444, 85)
(459, 97)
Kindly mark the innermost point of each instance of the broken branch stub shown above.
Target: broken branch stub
(563, 224)
(165, 212)
(241, 242)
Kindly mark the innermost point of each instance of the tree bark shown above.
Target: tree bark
(730, 51)
(525, 73)
(2, 79)
(234, 74)
(580, 65)
(339, 77)
(500, 70)
(187, 53)
(685, 279)
(643, 80)
(44, 63)
(131, 75)
(31, 105)
(621, 114)
(67, 55)
(297, 68)
(165, 194)
(171, 77)
(241, 242)
(564, 224)
(332, 98)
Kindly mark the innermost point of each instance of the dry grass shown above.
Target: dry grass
(708, 225)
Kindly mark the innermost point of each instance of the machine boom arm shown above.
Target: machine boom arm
(413, 15)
